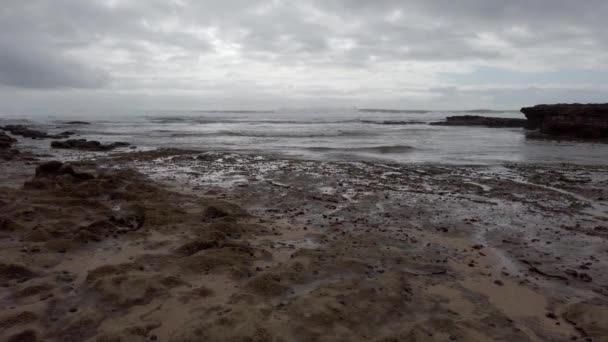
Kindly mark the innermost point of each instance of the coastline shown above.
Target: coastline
(243, 246)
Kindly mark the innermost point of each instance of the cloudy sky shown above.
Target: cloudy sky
(239, 54)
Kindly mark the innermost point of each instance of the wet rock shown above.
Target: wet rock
(222, 209)
(30, 133)
(24, 336)
(8, 225)
(266, 285)
(583, 121)
(475, 120)
(590, 318)
(15, 272)
(580, 275)
(34, 290)
(130, 219)
(196, 246)
(10, 154)
(87, 145)
(52, 168)
(57, 168)
(77, 123)
(213, 212)
(22, 318)
(6, 141)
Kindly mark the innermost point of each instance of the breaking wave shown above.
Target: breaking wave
(389, 149)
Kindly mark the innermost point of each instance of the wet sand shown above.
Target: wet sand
(189, 246)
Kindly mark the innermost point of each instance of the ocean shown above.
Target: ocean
(322, 134)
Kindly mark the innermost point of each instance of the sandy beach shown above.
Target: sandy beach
(173, 245)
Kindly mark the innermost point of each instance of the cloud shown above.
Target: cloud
(347, 50)
(30, 66)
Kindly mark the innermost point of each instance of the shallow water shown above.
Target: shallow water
(326, 134)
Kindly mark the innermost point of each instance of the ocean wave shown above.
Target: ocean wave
(292, 122)
(384, 149)
(392, 111)
(246, 134)
(234, 111)
(233, 120)
(393, 122)
(181, 119)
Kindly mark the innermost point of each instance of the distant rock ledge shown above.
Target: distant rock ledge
(475, 120)
(32, 133)
(87, 145)
(582, 121)
(77, 123)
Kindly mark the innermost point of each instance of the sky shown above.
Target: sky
(250, 54)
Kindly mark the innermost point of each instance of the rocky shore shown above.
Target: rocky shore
(87, 145)
(171, 245)
(583, 121)
(26, 132)
(475, 120)
(6, 141)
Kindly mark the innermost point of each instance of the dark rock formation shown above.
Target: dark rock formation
(52, 168)
(584, 121)
(6, 150)
(56, 168)
(15, 272)
(77, 123)
(129, 218)
(86, 145)
(30, 133)
(475, 120)
(6, 141)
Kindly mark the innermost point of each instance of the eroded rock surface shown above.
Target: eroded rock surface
(306, 251)
(584, 121)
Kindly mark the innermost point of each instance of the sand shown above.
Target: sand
(187, 246)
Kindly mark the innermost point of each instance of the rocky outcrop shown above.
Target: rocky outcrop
(6, 141)
(87, 145)
(583, 121)
(475, 120)
(57, 168)
(7, 152)
(31, 133)
(77, 123)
